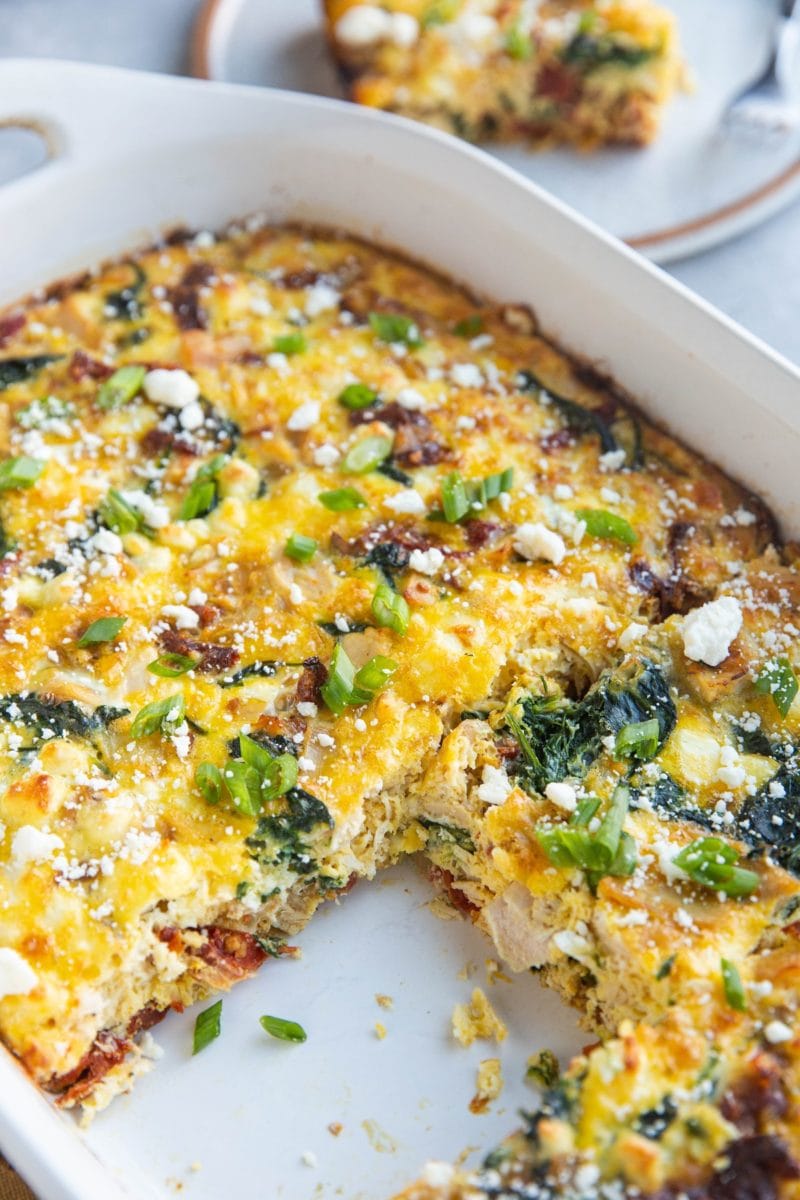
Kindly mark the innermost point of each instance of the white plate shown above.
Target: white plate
(133, 153)
(686, 193)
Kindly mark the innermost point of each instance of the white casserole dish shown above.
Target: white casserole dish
(132, 154)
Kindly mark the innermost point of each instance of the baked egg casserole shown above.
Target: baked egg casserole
(584, 72)
(311, 560)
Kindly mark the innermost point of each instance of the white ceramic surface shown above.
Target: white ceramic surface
(692, 189)
(134, 153)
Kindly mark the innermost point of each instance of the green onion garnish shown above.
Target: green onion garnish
(164, 715)
(301, 548)
(602, 524)
(518, 44)
(342, 499)
(778, 680)
(607, 851)
(638, 740)
(207, 1027)
(465, 497)
(732, 985)
(394, 327)
(203, 493)
(367, 454)
(290, 343)
(470, 327)
(171, 666)
(665, 968)
(285, 1031)
(357, 395)
(116, 513)
(712, 863)
(390, 609)
(346, 686)
(208, 778)
(243, 785)
(19, 472)
(120, 387)
(105, 629)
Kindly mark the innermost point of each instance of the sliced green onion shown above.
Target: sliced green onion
(375, 674)
(455, 502)
(607, 851)
(207, 1027)
(602, 524)
(638, 740)
(204, 490)
(470, 327)
(285, 1031)
(121, 387)
(290, 343)
(171, 666)
(208, 778)
(301, 548)
(390, 609)
(280, 777)
(778, 680)
(21, 472)
(116, 513)
(342, 499)
(337, 689)
(712, 863)
(104, 629)
(253, 754)
(394, 327)
(243, 783)
(367, 454)
(732, 985)
(518, 44)
(164, 715)
(357, 395)
(585, 810)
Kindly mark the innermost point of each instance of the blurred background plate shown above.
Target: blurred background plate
(689, 191)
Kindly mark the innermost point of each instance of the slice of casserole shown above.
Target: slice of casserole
(310, 560)
(585, 72)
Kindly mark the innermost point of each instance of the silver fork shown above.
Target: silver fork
(768, 109)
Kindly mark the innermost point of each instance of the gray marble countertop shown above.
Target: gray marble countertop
(754, 278)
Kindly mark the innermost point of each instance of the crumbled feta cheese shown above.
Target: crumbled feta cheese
(437, 1174)
(365, 24)
(427, 562)
(260, 306)
(307, 708)
(408, 501)
(324, 455)
(32, 845)
(183, 616)
(709, 630)
(321, 298)
(197, 596)
(494, 787)
(778, 1031)
(563, 795)
(665, 851)
(172, 388)
(105, 541)
(466, 375)
(17, 977)
(278, 361)
(308, 1158)
(410, 398)
(295, 594)
(533, 540)
(730, 772)
(563, 491)
(631, 634)
(154, 513)
(574, 945)
(586, 1177)
(326, 740)
(612, 460)
(192, 416)
(304, 417)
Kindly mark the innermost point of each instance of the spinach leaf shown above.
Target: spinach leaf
(561, 737)
(265, 668)
(49, 718)
(15, 370)
(443, 834)
(589, 52)
(771, 822)
(279, 837)
(624, 432)
(125, 304)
